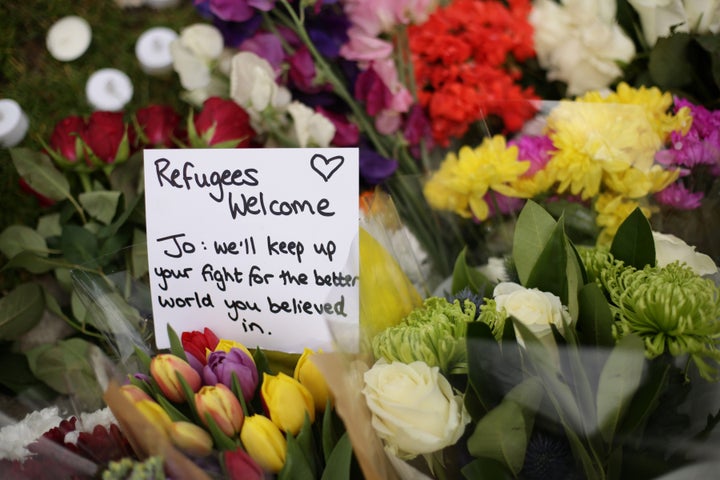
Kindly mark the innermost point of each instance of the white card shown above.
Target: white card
(259, 245)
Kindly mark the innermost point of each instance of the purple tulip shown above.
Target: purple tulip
(221, 365)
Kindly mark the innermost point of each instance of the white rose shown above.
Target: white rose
(535, 309)
(669, 248)
(413, 408)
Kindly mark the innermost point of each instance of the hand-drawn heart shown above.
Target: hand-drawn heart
(326, 167)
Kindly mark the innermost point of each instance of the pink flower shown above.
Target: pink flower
(236, 10)
(679, 197)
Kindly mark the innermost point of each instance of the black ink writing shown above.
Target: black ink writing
(327, 249)
(221, 276)
(297, 305)
(180, 247)
(289, 279)
(237, 306)
(170, 273)
(249, 205)
(335, 279)
(184, 178)
(186, 302)
(292, 248)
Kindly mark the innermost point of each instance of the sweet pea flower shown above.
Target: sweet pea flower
(193, 52)
(264, 442)
(253, 86)
(236, 10)
(310, 128)
(219, 402)
(238, 465)
(307, 373)
(222, 365)
(191, 439)
(413, 408)
(287, 402)
(659, 18)
(165, 369)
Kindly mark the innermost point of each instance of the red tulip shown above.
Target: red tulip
(239, 465)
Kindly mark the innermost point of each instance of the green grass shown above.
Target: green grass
(49, 90)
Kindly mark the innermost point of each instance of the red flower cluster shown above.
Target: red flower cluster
(465, 58)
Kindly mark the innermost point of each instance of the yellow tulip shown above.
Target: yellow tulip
(308, 374)
(287, 402)
(223, 407)
(154, 413)
(264, 442)
(191, 439)
(165, 369)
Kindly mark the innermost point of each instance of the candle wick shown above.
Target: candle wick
(111, 89)
(157, 45)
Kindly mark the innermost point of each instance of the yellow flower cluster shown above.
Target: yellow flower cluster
(463, 180)
(604, 151)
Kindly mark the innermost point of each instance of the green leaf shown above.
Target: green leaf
(296, 466)
(646, 398)
(144, 358)
(139, 254)
(39, 172)
(483, 356)
(338, 463)
(332, 429)
(173, 412)
(49, 225)
(21, 310)
(114, 227)
(222, 441)
(503, 433)
(101, 205)
(619, 380)
(532, 231)
(595, 321)
(633, 242)
(34, 263)
(549, 273)
(669, 66)
(306, 442)
(79, 246)
(64, 366)
(486, 469)
(19, 238)
(15, 373)
(465, 276)
(176, 347)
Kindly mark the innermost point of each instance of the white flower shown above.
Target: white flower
(252, 83)
(17, 436)
(310, 128)
(580, 43)
(194, 52)
(413, 408)
(669, 248)
(659, 18)
(535, 309)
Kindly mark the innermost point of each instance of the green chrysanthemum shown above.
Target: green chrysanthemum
(596, 260)
(494, 318)
(434, 333)
(672, 308)
(127, 468)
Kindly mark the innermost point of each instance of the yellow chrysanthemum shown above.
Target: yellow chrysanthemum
(655, 103)
(634, 183)
(593, 139)
(461, 182)
(612, 210)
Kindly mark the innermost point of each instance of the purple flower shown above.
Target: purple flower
(234, 10)
(374, 168)
(268, 46)
(221, 366)
(533, 148)
(679, 197)
(327, 28)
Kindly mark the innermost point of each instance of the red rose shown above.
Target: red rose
(105, 134)
(229, 121)
(195, 343)
(239, 465)
(64, 137)
(160, 125)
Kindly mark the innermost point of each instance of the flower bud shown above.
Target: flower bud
(287, 402)
(134, 393)
(222, 365)
(165, 369)
(238, 465)
(154, 413)
(308, 374)
(196, 344)
(191, 439)
(222, 405)
(265, 443)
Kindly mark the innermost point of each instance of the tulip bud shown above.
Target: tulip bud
(265, 443)
(134, 393)
(196, 344)
(165, 369)
(191, 439)
(222, 365)
(287, 402)
(222, 405)
(154, 413)
(238, 465)
(225, 345)
(308, 374)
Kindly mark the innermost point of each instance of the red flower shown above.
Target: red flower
(106, 132)
(65, 135)
(239, 466)
(159, 125)
(195, 344)
(222, 120)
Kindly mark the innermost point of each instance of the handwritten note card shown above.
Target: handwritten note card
(260, 245)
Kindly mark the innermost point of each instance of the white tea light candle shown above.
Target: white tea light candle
(152, 50)
(108, 89)
(13, 123)
(160, 4)
(68, 38)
